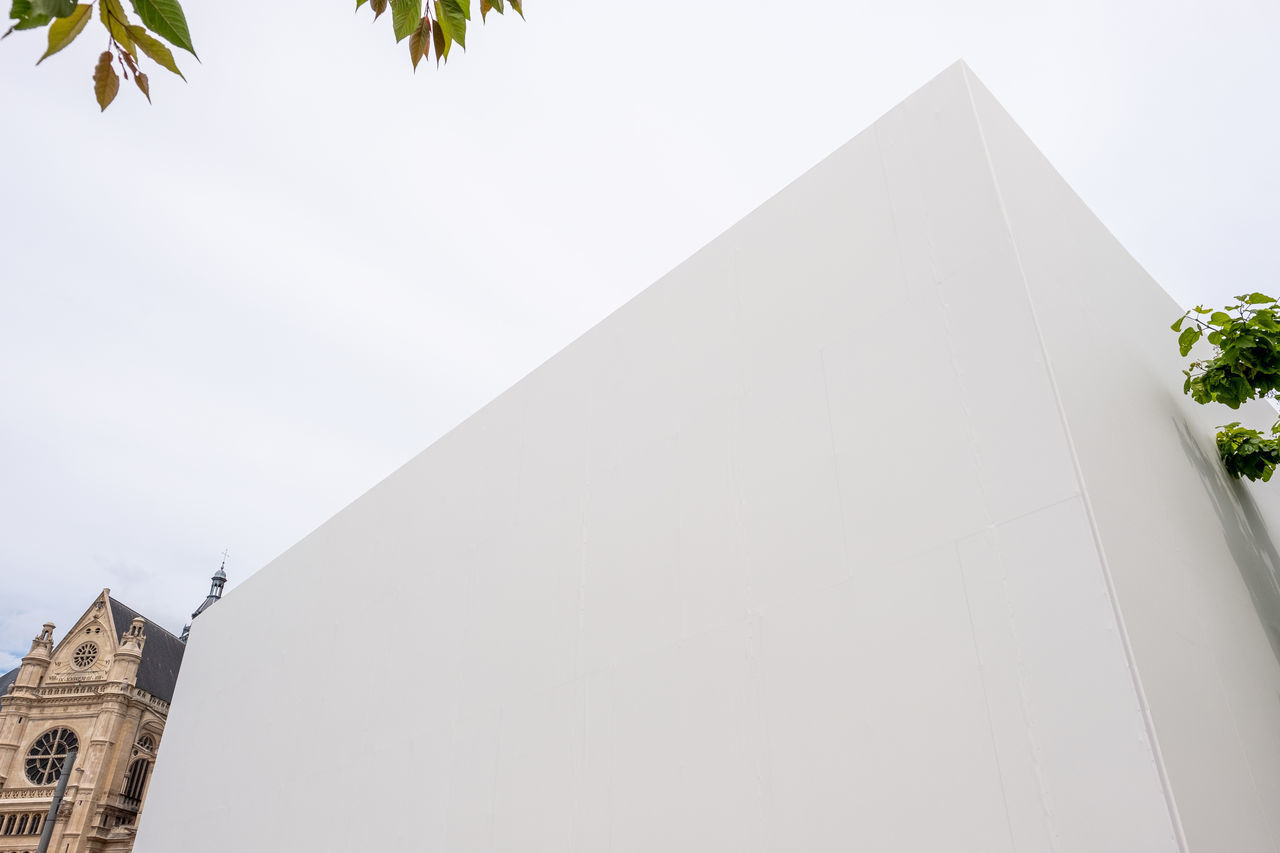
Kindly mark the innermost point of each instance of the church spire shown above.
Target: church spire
(218, 580)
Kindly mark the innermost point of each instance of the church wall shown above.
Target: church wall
(106, 718)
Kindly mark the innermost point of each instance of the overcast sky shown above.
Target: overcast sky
(226, 315)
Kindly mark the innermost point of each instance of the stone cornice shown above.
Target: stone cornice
(113, 692)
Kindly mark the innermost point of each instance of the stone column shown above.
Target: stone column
(17, 704)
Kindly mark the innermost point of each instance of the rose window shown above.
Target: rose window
(84, 655)
(48, 754)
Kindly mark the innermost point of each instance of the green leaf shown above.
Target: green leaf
(1265, 319)
(117, 24)
(420, 41)
(154, 48)
(53, 8)
(1187, 340)
(439, 37)
(106, 83)
(465, 6)
(1215, 337)
(360, 3)
(27, 19)
(64, 30)
(405, 15)
(1258, 299)
(1220, 318)
(1177, 326)
(487, 5)
(455, 18)
(516, 4)
(166, 19)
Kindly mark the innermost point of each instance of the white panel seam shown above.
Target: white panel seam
(1144, 705)
(986, 701)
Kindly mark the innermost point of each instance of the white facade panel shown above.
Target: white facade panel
(792, 552)
(1195, 572)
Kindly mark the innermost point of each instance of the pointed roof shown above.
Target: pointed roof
(218, 579)
(161, 656)
(7, 679)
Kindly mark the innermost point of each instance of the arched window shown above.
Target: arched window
(135, 781)
(48, 754)
(147, 742)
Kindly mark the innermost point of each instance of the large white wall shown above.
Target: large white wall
(832, 539)
(1189, 551)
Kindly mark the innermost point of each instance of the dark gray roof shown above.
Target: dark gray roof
(161, 656)
(5, 680)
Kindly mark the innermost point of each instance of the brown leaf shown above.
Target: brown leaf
(439, 39)
(106, 83)
(143, 84)
(378, 7)
(485, 6)
(420, 41)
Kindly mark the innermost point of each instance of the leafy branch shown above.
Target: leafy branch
(442, 24)
(437, 27)
(1245, 365)
(160, 19)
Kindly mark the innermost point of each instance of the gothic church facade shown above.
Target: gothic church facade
(102, 691)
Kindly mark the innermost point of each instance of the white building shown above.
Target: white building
(879, 524)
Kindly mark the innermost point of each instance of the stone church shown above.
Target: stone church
(103, 690)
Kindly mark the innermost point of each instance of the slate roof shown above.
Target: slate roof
(5, 680)
(161, 655)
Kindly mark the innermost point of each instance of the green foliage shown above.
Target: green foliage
(26, 16)
(406, 16)
(165, 19)
(66, 19)
(1245, 365)
(64, 30)
(437, 27)
(1247, 452)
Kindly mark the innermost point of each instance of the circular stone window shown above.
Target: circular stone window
(84, 655)
(48, 754)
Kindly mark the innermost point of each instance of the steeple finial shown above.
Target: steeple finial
(217, 582)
